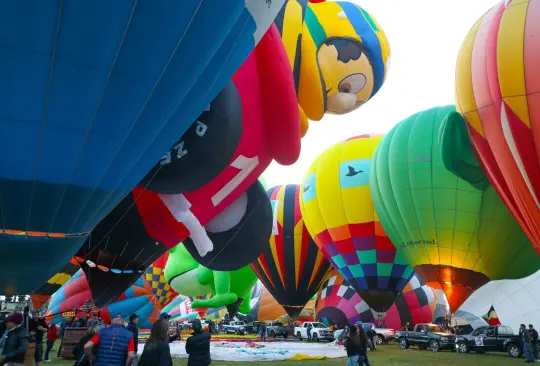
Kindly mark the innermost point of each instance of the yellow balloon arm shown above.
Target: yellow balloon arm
(304, 122)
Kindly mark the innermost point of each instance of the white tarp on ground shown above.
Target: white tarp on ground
(272, 351)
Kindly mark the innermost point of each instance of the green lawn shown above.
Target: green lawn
(389, 355)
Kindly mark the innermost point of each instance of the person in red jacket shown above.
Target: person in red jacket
(52, 335)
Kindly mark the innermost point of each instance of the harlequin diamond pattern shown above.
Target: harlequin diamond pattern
(160, 287)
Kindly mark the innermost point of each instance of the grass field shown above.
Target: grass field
(389, 355)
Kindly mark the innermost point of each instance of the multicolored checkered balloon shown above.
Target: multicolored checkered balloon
(155, 277)
(338, 211)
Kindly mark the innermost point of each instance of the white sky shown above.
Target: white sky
(425, 37)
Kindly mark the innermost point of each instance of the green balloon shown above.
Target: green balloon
(437, 206)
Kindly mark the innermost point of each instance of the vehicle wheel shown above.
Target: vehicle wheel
(434, 345)
(299, 336)
(463, 347)
(403, 343)
(285, 335)
(514, 351)
(380, 339)
(273, 334)
(315, 337)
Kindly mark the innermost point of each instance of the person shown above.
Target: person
(156, 351)
(132, 327)
(308, 330)
(14, 341)
(262, 331)
(36, 329)
(352, 346)
(78, 351)
(2, 323)
(534, 342)
(363, 344)
(526, 340)
(409, 327)
(115, 346)
(372, 337)
(63, 327)
(93, 320)
(52, 335)
(198, 346)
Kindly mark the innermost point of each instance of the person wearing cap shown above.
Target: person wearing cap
(198, 346)
(115, 345)
(132, 327)
(37, 329)
(14, 341)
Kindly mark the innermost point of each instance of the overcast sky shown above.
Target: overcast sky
(425, 37)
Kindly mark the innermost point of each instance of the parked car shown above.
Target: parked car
(273, 329)
(318, 331)
(235, 327)
(384, 335)
(252, 327)
(426, 335)
(491, 339)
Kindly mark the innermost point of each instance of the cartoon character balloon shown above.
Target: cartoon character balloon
(292, 266)
(86, 114)
(455, 235)
(498, 94)
(338, 212)
(339, 55)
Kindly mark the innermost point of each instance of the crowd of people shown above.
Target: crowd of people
(112, 345)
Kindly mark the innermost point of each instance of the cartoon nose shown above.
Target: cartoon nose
(347, 101)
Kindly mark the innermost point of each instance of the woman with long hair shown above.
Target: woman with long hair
(352, 346)
(156, 350)
(362, 345)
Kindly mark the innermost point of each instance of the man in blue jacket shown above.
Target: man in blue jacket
(115, 345)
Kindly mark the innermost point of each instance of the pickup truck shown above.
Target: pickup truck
(273, 329)
(235, 327)
(490, 339)
(384, 335)
(318, 331)
(426, 335)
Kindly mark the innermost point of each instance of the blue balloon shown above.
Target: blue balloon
(93, 94)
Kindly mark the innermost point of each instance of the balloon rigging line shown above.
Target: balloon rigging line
(44, 114)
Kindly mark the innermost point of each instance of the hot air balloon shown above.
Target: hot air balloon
(498, 94)
(138, 299)
(155, 277)
(94, 93)
(45, 291)
(338, 212)
(292, 266)
(456, 236)
(339, 303)
(338, 53)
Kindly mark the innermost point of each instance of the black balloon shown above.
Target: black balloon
(240, 244)
(204, 150)
(118, 250)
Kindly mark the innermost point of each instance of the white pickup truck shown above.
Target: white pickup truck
(318, 331)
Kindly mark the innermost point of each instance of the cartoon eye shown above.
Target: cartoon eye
(352, 84)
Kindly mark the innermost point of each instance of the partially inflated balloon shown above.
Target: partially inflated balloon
(338, 212)
(292, 266)
(100, 92)
(339, 55)
(456, 236)
(498, 94)
(45, 291)
(338, 302)
(156, 278)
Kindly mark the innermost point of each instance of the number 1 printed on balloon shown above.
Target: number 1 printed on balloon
(246, 166)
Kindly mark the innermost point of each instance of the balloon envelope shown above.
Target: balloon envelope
(498, 94)
(93, 94)
(456, 236)
(292, 266)
(338, 212)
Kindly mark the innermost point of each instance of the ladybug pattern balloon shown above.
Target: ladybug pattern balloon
(498, 94)
(339, 214)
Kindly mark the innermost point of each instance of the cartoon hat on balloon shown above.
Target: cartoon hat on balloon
(339, 55)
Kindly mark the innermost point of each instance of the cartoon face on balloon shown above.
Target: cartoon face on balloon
(348, 75)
